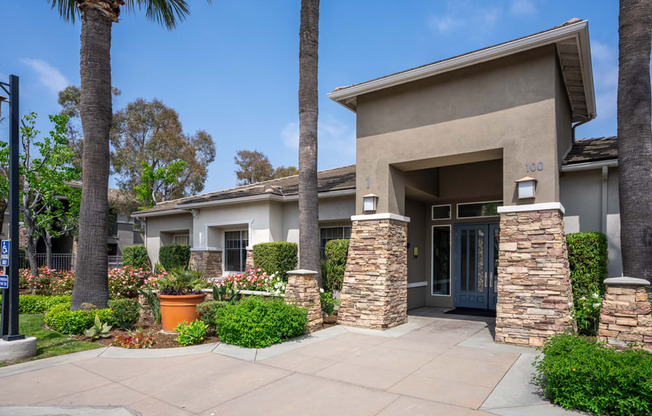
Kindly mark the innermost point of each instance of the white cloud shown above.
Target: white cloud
(290, 135)
(48, 76)
(522, 7)
(445, 23)
(336, 140)
(465, 13)
(605, 75)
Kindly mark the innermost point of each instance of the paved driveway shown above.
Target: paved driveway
(434, 365)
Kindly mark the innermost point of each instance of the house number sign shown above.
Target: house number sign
(534, 166)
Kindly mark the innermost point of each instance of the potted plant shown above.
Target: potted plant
(179, 293)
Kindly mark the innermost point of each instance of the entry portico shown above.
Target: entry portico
(442, 148)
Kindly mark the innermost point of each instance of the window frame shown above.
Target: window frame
(322, 249)
(450, 260)
(450, 212)
(457, 209)
(242, 249)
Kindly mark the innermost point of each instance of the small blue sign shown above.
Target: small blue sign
(4, 281)
(4, 253)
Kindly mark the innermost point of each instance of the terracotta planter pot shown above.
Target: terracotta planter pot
(175, 309)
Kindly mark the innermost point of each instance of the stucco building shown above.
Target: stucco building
(467, 177)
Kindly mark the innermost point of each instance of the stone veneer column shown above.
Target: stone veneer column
(249, 261)
(534, 290)
(207, 260)
(303, 290)
(374, 291)
(625, 315)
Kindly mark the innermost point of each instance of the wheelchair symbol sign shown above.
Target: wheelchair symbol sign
(4, 253)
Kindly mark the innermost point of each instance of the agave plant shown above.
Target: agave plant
(182, 282)
(98, 330)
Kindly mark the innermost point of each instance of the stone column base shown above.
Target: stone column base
(625, 315)
(208, 261)
(303, 290)
(249, 261)
(535, 298)
(374, 291)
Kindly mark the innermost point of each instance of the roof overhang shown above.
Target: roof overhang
(573, 50)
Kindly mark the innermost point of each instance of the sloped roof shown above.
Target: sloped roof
(592, 150)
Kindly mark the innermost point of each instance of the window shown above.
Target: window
(182, 239)
(441, 212)
(332, 233)
(235, 250)
(441, 260)
(478, 209)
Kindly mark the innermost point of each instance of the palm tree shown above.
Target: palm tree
(97, 17)
(308, 113)
(635, 137)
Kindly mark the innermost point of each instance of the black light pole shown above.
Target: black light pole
(10, 310)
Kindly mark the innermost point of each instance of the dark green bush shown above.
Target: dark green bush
(336, 252)
(125, 312)
(258, 323)
(136, 257)
(587, 258)
(576, 372)
(208, 312)
(39, 303)
(175, 256)
(279, 257)
(61, 319)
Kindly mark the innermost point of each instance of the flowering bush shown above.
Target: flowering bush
(586, 313)
(254, 280)
(134, 340)
(49, 281)
(124, 282)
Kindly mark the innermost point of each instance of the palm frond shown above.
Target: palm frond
(165, 12)
(67, 9)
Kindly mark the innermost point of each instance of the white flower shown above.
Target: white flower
(321, 290)
(595, 296)
(596, 305)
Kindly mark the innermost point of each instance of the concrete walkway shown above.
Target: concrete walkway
(434, 365)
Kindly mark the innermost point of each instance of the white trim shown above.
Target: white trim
(544, 206)
(450, 260)
(590, 165)
(206, 249)
(457, 209)
(159, 213)
(417, 284)
(345, 95)
(450, 212)
(382, 216)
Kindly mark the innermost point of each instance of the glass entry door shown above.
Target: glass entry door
(476, 265)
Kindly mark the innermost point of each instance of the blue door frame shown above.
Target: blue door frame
(476, 262)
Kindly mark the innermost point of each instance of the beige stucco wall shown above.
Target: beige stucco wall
(502, 109)
(582, 197)
(332, 212)
(159, 231)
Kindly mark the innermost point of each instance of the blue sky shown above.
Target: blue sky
(232, 67)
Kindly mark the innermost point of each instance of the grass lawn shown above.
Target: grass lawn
(48, 343)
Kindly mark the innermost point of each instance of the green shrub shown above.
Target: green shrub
(39, 303)
(136, 257)
(175, 256)
(279, 257)
(258, 323)
(336, 252)
(328, 303)
(208, 312)
(576, 372)
(125, 312)
(191, 333)
(61, 319)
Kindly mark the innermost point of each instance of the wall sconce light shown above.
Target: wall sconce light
(526, 187)
(369, 203)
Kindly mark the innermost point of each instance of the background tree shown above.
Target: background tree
(635, 137)
(253, 166)
(282, 171)
(156, 185)
(97, 17)
(308, 115)
(150, 132)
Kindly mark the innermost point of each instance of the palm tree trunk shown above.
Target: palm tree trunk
(308, 114)
(635, 137)
(91, 280)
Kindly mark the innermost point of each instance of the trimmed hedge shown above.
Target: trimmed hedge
(174, 256)
(576, 372)
(135, 256)
(124, 312)
(259, 323)
(336, 253)
(61, 319)
(587, 257)
(279, 257)
(39, 303)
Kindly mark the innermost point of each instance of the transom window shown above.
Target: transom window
(327, 234)
(478, 209)
(235, 250)
(182, 239)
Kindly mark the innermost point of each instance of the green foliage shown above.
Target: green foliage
(153, 303)
(328, 303)
(181, 282)
(576, 372)
(587, 258)
(278, 257)
(39, 303)
(174, 256)
(135, 256)
(125, 312)
(98, 330)
(191, 333)
(259, 323)
(208, 312)
(225, 293)
(61, 319)
(154, 181)
(336, 252)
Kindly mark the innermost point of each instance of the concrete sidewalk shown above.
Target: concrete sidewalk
(434, 365)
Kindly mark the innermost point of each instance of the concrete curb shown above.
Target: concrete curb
(49, 362)
(126, 353)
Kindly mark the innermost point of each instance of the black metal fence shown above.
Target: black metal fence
(60, 261)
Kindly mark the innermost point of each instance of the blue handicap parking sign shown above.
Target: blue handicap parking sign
(4, 281)
(4, 253)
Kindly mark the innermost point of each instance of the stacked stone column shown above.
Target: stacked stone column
(302, 289)
(535, 297)
(625, 315)
(249, 260)
(207, 260)
(374, 291)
